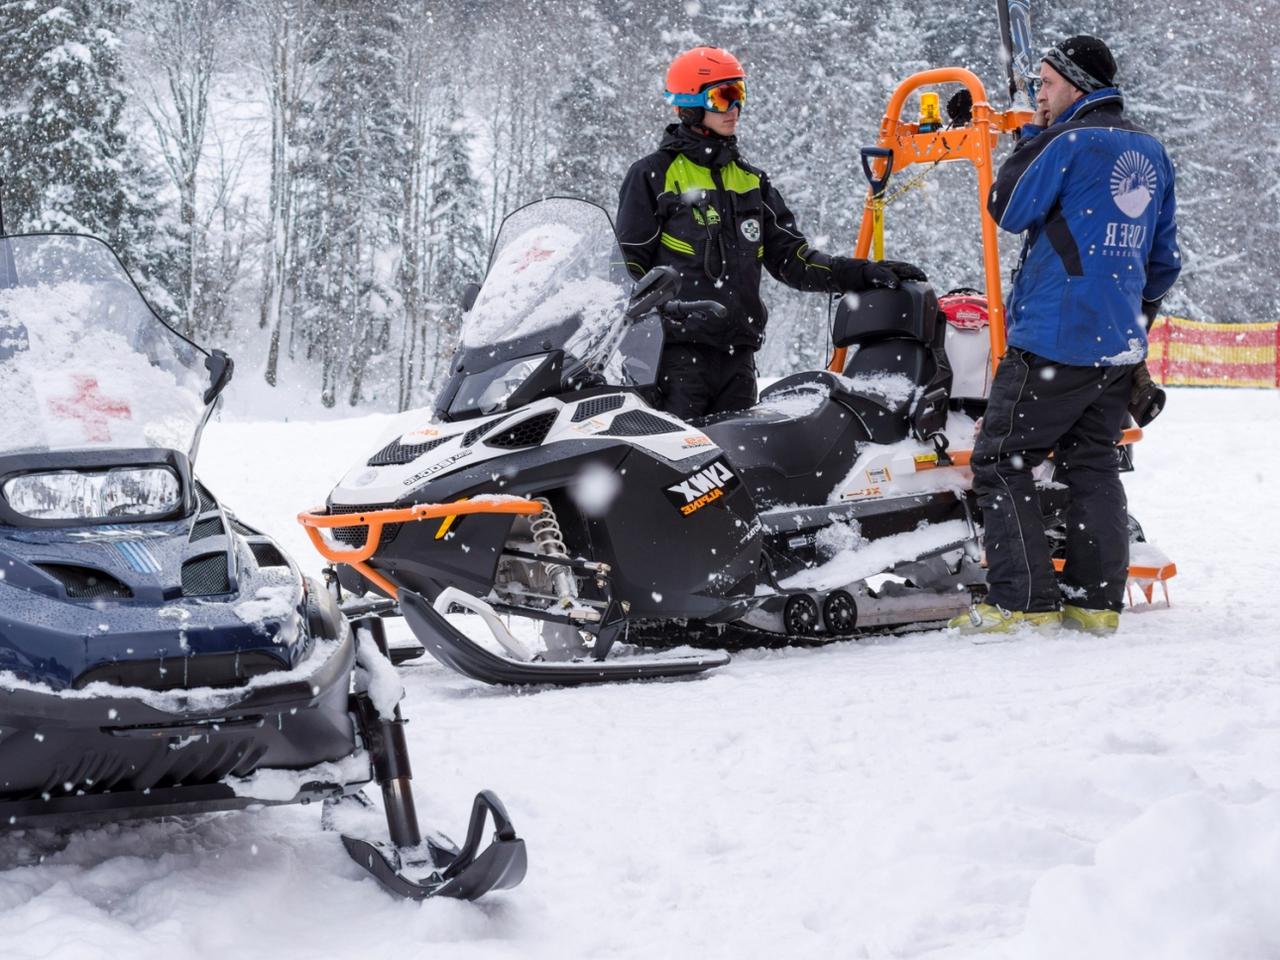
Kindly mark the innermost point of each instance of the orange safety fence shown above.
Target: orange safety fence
(1191, 353)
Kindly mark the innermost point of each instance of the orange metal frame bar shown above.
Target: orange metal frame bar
(314, 521)
(975, 143)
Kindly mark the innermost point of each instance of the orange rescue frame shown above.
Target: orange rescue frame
(974, 142)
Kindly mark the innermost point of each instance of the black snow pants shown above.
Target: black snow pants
(1037, 406)
(697, 380)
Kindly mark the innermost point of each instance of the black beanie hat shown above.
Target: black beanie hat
(1084, 61)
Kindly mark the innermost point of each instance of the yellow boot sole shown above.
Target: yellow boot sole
(1097, 622)
(984, 618)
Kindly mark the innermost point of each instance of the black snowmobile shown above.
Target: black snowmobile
(158, 656)
(548, 489)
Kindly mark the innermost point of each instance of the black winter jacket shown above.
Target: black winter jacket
(696, 206)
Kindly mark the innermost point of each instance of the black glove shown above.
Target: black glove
(1147, 400)
(1150, 309)
(856, 276)
(905, 271)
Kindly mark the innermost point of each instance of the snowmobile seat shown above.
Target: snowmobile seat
(880, 405)
(899, 378)
(795, 445)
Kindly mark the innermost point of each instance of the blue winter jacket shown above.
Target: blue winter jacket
(1095, 197)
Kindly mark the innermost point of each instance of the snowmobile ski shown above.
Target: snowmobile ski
(452, 648)
(464, 873)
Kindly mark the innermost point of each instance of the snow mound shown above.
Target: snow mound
(1192, 877)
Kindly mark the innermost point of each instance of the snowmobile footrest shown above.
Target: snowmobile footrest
(464, 655)
(464, 874)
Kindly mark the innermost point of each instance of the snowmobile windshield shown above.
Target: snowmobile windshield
(84, 362)
(556, 280)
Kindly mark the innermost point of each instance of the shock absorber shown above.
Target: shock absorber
(548, 540)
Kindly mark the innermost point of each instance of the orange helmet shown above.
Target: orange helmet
(694, 70)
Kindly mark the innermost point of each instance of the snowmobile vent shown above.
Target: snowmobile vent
(397, 452)
(473, 435)
(208, 527)
(354, 535)
(206, 576)
(183, 673)
(85, 583)
(526, 433)
(640, 423)
(593, 408)
(266, 554)
(207, 502)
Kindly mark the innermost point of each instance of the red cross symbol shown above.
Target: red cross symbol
(91, 408)
(532, 254)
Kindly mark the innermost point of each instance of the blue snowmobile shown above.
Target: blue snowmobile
(159, 656)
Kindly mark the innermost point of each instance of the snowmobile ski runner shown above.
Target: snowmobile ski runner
(159, 656)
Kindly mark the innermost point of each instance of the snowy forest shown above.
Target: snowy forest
(311, 184)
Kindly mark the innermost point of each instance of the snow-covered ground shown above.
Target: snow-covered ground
(917, 796)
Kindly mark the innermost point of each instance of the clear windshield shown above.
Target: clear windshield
(556, 270)
(84, 363)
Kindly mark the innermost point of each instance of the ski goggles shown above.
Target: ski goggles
(720, 98)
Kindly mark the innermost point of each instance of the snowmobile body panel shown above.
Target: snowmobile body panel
(791, 451)
(159, 656)
(71, 759)
(679, 490)
(199, 601)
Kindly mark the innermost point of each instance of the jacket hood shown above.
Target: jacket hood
(704, 149)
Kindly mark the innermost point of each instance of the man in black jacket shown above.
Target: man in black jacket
(694, 204)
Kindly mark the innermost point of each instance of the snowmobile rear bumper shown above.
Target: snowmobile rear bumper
(459, 652)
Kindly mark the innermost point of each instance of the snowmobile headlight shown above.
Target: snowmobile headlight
(489, 390)
(92, 495)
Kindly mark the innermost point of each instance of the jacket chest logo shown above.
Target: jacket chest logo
(751, 229)
(1133, 183)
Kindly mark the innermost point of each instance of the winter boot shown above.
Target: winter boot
(989, 618)
(1099, 622)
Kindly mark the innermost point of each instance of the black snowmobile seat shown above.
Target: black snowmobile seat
(897, 333)
(878, 404)
(794, 446)
(803, 436)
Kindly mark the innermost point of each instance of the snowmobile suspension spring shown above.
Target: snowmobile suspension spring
(549, 540)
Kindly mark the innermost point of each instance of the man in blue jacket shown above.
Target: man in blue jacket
(1094, 194)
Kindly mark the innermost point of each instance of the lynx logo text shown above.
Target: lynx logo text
(706, 486)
